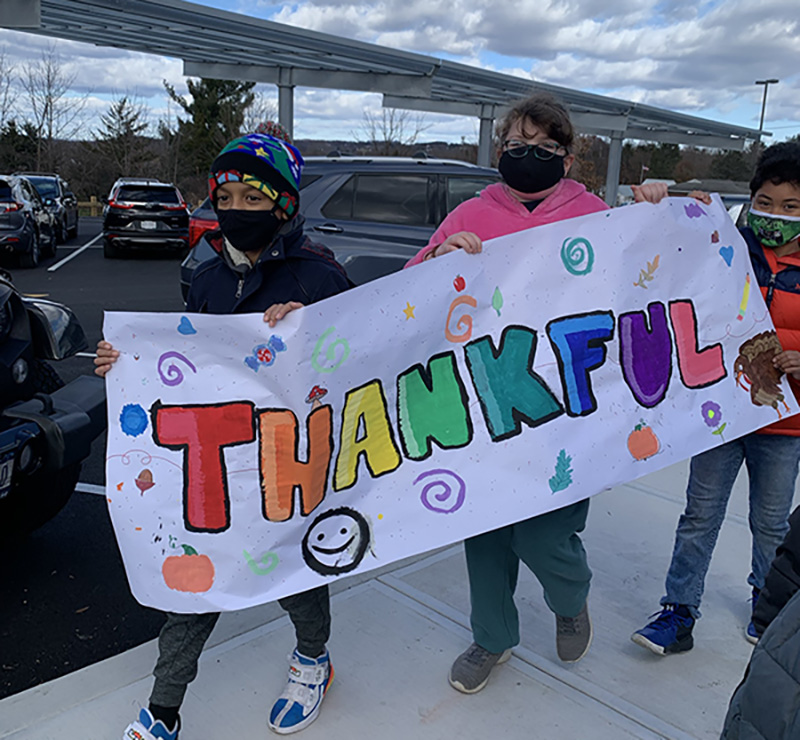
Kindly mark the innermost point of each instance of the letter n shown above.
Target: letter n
(203, 433)
(432, 404)
(282, 472)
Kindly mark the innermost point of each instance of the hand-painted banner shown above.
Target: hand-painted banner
(247, 463)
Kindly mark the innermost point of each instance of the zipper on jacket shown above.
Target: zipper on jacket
(241, 286)
(770, 288)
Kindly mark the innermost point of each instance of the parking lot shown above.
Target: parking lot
(64, 599)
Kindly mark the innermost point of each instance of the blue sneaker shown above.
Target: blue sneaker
(148, 727)
(298, 706)
(669, 632)
(750, 631)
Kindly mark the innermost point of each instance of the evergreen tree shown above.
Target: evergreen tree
(120, 139)
(216, 115)
(18, 146)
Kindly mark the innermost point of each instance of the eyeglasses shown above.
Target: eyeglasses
(543, 151)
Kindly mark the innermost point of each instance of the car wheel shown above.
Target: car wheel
(33, 255)
(109, 250)
(73, 232)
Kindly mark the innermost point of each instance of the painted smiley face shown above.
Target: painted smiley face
(336, 541)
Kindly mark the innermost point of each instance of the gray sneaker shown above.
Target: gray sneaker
(573, 636)
(470, 671)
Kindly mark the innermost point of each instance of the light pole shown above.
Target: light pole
(766, 84)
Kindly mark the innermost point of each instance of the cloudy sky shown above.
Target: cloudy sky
(700, 58)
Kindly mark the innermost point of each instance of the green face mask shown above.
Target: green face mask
(773, 231)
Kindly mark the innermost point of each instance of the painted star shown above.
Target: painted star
(409, 311)
(261, 152)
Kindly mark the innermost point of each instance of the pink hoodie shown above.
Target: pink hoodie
(495, 212)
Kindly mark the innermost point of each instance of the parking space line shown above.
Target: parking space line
(54, 267)
(91, 488)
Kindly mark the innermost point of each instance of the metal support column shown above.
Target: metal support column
(286, 100)
(485, 135)
(614, 166)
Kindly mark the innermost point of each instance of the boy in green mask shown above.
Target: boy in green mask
(772, 454)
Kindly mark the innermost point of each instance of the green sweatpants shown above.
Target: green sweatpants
(550, 546)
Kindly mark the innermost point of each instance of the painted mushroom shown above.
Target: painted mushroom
(314, 396)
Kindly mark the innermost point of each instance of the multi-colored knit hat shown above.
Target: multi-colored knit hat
(273, 128)
(263, 162)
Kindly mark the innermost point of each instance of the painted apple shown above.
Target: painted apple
(459, 283)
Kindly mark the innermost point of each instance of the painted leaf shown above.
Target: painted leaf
(563, 475)
(497, 300)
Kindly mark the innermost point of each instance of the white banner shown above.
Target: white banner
(247, 463)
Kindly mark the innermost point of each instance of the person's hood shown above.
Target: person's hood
(565, 199)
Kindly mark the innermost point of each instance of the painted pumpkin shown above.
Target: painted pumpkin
(642, 442)
(188, 572)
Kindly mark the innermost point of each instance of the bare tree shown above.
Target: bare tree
(54, 114)
(8, 92)
(262, 109)
(392, 130)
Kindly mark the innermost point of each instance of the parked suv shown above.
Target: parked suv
(144, 213)
(26, 226)
(374, 212)
(59, 200)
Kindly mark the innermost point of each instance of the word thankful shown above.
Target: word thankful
(432, 407)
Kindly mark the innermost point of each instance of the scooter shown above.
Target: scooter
(46, 427)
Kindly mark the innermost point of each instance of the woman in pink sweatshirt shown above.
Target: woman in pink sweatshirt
(534, 142)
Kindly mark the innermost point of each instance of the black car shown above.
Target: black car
(144, 213)
(374, 212)
(59, 200)
(27, 229)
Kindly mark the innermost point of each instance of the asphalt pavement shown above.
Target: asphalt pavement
(64, 598)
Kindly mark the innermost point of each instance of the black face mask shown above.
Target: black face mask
(531, 175)
(249, 231)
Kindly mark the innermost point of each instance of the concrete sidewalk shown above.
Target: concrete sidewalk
(396, 633)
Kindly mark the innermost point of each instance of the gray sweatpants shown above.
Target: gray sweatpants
(183, 636)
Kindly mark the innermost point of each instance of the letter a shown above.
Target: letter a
(365, 431)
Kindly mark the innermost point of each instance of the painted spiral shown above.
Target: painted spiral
(174, 375)
(445, 493)
(339, 347)
(577, 255)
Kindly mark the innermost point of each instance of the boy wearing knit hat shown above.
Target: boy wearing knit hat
(264, 263)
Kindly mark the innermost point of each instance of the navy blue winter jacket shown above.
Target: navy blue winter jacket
(293, 268)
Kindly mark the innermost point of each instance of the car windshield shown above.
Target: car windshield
(44, 186)
(134, 194)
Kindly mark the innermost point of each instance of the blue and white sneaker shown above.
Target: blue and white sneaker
(750, 631)
(669, 632)
(148, 727)
(298, 706)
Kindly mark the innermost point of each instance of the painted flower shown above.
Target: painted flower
(712, 413)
